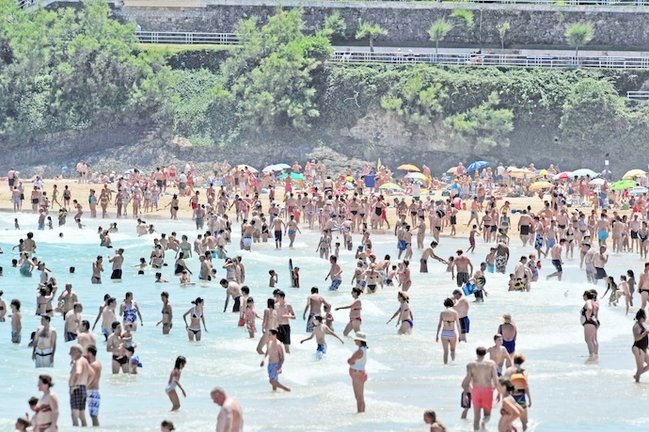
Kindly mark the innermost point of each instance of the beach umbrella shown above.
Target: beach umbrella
(564, 175)
(539, 185)
(583, 172)
(408, 167)
(638, 190)
(597, 182)
(271, 168)
(634, 173)
(622, 185)
(294, 176)
(543, 172)
(415, 175)
(477, 165)
(521, 172)
(244, 166)
(390, 186)
(452, 170)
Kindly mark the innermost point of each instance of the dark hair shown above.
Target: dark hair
(641, 314)
(448, 302)
(32, 401)
(481, 351)
(270, 303)
(167, 424)
(245, 289)
(46, 379)
(197, 301)
(16, 303)
(180, 361)
(358, 291)
(314, 290)
(281, 294)
(507, 384)
(92, 350)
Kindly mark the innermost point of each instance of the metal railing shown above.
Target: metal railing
(397, 58)
(638, 95)
(187, 38)
(511, 60)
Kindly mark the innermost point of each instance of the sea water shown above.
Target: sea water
(406, 373)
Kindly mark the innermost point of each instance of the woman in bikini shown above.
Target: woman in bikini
(449, 323)
(167, 313)
(354, 313)
(47, 408)
(194, 327)
(405, 314)
(174, 381)
(510, 410)
(430, 418)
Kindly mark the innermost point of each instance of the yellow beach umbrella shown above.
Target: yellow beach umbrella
(521, 173)
(634, 173)
(539, 185)
(408, 167)
(390, 186)
(415, 175)
(543, 172)
(452, 170)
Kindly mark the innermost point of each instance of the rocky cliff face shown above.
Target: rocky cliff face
(408, 22)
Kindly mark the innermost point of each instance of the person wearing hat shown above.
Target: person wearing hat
(357, 370)
(81, 375)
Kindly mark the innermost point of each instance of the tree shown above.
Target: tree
(334, 25)
(484, 127)
(594, 116)
(438, 31)
(464, 16)
(372, 32)
(503, 28)
(578, 35)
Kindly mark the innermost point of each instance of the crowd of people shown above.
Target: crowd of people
(352, 206)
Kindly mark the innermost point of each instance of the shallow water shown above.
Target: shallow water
(406, 374)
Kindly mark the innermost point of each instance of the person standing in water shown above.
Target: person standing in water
(354, 313)
(462, 308)
(44, 344)
(640, 344)
(194, 326)
(319, 330)
(230, 417)
(275, 353)
(80, 376)
(481, 379)
(357, 370)
(174, 381)
(47, 407)
(449, 323)
(406, 319)
(509, 333)
(94, 399)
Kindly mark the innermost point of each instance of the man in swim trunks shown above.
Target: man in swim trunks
(464, 268)
(275, 353)
(94, 399)
(462, 308)
(335, 273)
(44, 344)
(481, 379)
(557, 262)
(284, 313)
(599, 261)
(314, 304)
(80, 376)
(524, 223)
(498, 353)
(603, 226)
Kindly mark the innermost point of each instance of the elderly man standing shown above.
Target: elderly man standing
(81, 375)
(230, 417)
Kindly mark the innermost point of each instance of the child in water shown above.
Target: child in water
(250, 315)
(273, 278)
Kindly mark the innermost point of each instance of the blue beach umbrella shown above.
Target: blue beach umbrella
(477, 165)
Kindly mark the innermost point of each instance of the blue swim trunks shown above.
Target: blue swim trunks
(602, 234)
(550, 242)
(273, 369)
(335, 284)
(491, 268)
(321, 350)
(402, 245)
